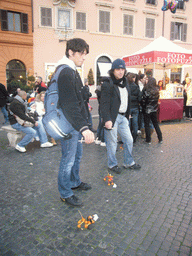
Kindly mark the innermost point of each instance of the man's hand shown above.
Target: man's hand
(36, 124)
(108, 125)
(88, 136)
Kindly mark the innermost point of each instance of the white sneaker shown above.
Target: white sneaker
(20, 149)
(97, 141)
(46, 145)
(37, 138)
(103, 144)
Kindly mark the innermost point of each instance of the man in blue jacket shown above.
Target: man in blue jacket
(115, 111)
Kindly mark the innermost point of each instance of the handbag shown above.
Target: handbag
(54, 121)
(23, 122)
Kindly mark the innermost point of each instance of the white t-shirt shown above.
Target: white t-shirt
(124, 99)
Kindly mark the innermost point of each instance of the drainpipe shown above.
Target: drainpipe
(32, 16)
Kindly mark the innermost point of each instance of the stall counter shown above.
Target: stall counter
(170, 109)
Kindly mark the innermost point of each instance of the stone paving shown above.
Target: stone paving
(149, 213)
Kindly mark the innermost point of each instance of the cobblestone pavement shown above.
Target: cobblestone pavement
(149, 213)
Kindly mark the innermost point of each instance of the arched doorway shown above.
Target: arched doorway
(15, 74)
(103, 66)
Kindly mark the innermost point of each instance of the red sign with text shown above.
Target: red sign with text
(158, 57)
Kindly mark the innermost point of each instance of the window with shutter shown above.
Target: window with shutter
(172, 36)
(180, 5)
(4, 20)
(104, 21)
(128, 24)
(178, 31)
(184, 33)
(151, 2)
(150, 28)
(14, 21)
(24, 22)
(46, 17)
(81, 21)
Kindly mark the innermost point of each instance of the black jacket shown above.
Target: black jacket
(110, 101)
(3, 95)
(149, 101)
(135, 95)
(71, 99)
(19, 110)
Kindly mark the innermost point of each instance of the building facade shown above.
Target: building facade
(16, 41)
(112, 28)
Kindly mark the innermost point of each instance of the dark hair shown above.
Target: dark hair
(151, 83)
(130, 77)
(137, 79)
(76, 45)
(141, 76)
(111, 72)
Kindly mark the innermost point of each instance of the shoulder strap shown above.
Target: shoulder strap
(56, 73)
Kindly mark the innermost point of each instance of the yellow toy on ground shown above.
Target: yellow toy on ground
(110, 179)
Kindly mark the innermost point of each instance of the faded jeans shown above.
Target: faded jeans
(68, 176)
(121, 126)
(31, 132)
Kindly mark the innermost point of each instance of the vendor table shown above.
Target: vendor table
(170, 109)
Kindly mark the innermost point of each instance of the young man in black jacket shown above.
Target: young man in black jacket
(71, 101)
(115, 111)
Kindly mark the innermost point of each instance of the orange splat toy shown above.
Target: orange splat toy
(110, 179)
(87, 222)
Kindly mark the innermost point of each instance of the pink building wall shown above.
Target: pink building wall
(48, 49)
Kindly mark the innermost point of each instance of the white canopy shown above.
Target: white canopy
(161, 53)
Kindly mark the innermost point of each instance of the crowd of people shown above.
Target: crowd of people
(24, 113)
(127, 103)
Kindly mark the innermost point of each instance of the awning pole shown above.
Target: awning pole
(153, 69)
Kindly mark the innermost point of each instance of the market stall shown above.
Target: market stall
(171, 103)
(163, 54)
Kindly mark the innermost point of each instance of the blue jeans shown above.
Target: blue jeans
(122, 127)
(5, 113)
(133, 122)
(68, 176)
(31, 132)
(41, 132)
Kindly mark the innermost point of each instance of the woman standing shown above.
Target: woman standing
(188, 91)
(135, 99)
(150, 96)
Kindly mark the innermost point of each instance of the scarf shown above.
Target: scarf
(119, 82)
(17, 97)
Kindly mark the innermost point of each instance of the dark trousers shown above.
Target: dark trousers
(188, 111)
(153, 117)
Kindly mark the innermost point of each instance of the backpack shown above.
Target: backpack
(54, 121)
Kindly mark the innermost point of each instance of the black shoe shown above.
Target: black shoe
(135, 167)
(115, 169)
(83, 186)
(72, 200)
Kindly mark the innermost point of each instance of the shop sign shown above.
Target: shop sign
(158, 57)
